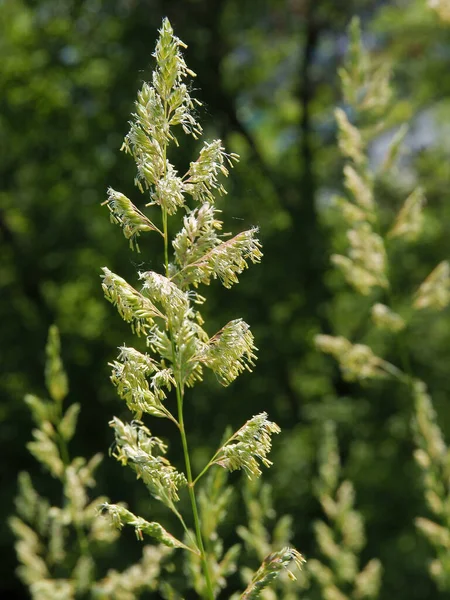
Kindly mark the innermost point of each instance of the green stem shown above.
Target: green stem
(198, 532)
(166, 241)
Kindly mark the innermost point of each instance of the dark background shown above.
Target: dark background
(267, 77)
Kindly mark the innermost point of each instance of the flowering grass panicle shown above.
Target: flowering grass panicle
(165, 308)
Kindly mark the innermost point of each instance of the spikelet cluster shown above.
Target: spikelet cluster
(135, 446)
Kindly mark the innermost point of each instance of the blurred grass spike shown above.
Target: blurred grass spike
(57, 546)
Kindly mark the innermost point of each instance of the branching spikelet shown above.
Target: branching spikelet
(202, 177)
(128, 216)
(409, 221)
(350, 140)
(55, 376)
(434, 292)
(198, 235)
(367, 91)
(121, 516)
(270, 569)
(130, 376)
(159, 107)
(190, 340)
(75, 492)
(252, 442)
(367, 582)
(357, 361)
(27, 501)
(132, 306)
(229, 351)
(171, 69)
(362, 280)
(428, 434)
(225, 261)
(136, 446)
(385, 318)
(367, 249)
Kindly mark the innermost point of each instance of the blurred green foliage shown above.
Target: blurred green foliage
(267, 75)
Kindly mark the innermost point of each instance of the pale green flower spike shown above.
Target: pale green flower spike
(130, 375)
(229, 351)
(165, 309)
(136, 446)
(434, 293)
(131, 219)
(132, 306)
